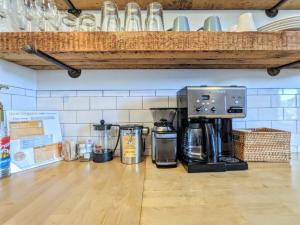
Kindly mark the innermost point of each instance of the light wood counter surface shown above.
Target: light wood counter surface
(74, 193)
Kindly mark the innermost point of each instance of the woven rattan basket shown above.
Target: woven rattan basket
(262, 145)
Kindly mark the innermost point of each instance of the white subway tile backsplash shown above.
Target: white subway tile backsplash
(140, 116)
(270, 114)
(41, 94)
(103, 102)
(268, 107)
(292, 113)
(76, 130)
(239, 125)
(5, 99)
(14, 91)
(291, 91)
(251, 91)
(258, 124)
(50, 104)
(30, 93)
(285, 125)
(295, 139)
(129, 102)
(141, 93)
(19, 102)
(116, 93)
(170, 92)
(155, 102)
(63, 93)
(89, 116)
(89, 93)
(262, 101)
(269, 91)
(76, 103)
(67, 116)
(116, 116)
(283, 101)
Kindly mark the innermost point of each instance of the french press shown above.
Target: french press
(107, 143)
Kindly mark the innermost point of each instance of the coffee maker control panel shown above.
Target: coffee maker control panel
(216, 102)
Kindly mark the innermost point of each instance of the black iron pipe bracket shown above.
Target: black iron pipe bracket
(74, 73)
(272, 12)
(274, 71)
(72, 9)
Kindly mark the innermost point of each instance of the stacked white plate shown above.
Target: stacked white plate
(291, 23)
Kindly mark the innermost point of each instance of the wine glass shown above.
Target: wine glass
(70, 22)
(18, 13)
(4, 8)
(56, 21)
(47, 11)
(30, 12)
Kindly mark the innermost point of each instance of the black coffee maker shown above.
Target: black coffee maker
(205, 123)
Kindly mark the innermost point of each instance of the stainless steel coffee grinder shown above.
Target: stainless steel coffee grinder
(164, 137)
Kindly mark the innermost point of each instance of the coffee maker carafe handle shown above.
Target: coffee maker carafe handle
(210, 142)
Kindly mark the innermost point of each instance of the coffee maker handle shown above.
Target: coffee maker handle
(210, 142)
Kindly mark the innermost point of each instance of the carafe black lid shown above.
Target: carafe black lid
(102, 126)
(194, 125)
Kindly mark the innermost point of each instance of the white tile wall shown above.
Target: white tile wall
(274, 108)
(103, 102)
(18, 99)
(50, 104)
(76, 103)
(129, 102)
(261, 101)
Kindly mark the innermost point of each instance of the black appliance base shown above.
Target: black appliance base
(196, 167)
(104, 157)
(237, 166)
(166, 166)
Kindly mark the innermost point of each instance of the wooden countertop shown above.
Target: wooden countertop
(74, 193)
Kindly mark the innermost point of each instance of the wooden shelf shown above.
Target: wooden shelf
(168, 50)
(187, 4)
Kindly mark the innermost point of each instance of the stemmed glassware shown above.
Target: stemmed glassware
(155, 20)
(4, 9)
(133, 18)
(30, 12)
(18, 9)
(47, 11)
(110, 20)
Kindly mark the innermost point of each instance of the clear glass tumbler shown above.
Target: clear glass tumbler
(133, 18)
(110, 20)
(155, 19)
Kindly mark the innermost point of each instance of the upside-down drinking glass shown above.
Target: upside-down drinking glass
(110, 20)
(155, 20)
(133, 18)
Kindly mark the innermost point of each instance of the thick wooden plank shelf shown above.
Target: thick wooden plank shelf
(134, 50)
(188, 4)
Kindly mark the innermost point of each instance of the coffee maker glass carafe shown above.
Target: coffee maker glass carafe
(200, 142)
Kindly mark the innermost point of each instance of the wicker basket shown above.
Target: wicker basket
(262, 145)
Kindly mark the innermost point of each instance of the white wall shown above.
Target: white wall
(17, 76)
(164, 79)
